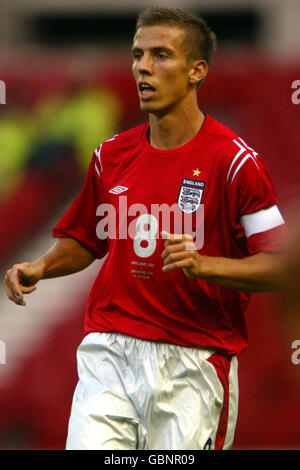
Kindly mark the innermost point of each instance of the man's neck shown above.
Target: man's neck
(174, 129)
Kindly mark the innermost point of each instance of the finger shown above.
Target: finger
(170, 238)
(175, 237)
(11, 294)
(183, 263)
(184, 246)
(173, 249)
(187, 236)
(28, 289)
(10, 286)
(165, 235)
(190, 245)
(8, 290)
(176, 257)
(14, 283)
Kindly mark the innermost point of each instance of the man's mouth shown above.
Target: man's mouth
(146, 90)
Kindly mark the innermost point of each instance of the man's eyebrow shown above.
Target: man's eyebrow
(155, 49)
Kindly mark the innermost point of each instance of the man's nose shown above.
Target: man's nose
(145, 64)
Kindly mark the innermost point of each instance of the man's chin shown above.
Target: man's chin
(147, 106)
(150, 107)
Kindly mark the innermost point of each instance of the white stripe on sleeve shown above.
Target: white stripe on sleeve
(242, 150)
(261, 221)
(98, 154)
(96, 168)
(242, 163)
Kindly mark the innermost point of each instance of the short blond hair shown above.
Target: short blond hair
(199, 42)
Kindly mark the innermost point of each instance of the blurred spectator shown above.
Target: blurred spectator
(45, 155)
(17, 134)
(82, 119)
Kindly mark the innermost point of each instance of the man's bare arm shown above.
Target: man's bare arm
(65, 256)
(261, 272)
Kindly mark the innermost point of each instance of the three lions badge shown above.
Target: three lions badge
(190, 195)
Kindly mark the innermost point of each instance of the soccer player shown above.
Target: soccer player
(164, 321)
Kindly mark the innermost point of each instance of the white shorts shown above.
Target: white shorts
(135, 394)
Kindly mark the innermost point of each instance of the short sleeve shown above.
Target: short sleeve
(254, 204)
(80, 221)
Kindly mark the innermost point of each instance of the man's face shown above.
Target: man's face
(160, 68)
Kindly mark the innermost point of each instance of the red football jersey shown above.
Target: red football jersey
(215, 175)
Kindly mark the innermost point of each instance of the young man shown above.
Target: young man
(164, 321)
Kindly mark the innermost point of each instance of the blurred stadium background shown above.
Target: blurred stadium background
(67, 69)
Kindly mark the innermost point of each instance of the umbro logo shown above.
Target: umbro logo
(118, 190)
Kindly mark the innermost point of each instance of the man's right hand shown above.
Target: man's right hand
(65, 256)
(20, 280)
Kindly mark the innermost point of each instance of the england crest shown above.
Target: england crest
(190, 195)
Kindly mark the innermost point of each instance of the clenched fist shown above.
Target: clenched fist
(21, 279)
(180, 252)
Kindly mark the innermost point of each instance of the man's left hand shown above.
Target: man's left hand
(180, 252)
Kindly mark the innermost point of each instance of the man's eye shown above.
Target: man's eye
(137, 56)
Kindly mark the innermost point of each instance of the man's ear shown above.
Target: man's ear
(198, 72)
